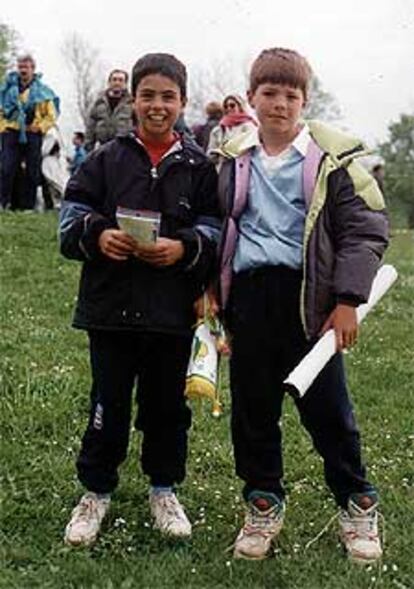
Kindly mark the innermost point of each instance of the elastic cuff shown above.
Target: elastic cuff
(193, 246)
(350, 301)
(94, 225)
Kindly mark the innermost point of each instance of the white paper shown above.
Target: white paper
(143, 226)
(301, 378)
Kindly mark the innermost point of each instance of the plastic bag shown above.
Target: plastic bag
(203, 367)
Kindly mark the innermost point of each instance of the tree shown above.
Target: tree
(322, 105)
(8, 48)
(398, 154)
(86, 69)
(214, 81)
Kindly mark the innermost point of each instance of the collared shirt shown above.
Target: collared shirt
(272, 225)
(272, 163)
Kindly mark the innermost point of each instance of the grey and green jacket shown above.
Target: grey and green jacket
(104, 124)
(346, 228)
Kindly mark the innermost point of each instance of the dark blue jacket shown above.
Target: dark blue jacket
(131, 294)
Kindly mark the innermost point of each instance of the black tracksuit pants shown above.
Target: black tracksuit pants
(268, 341)
(159, 363)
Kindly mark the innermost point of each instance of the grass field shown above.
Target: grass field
(44, 390)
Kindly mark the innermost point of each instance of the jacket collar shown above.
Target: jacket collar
(185, 148)
(339, 145)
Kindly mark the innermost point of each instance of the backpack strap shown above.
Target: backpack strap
(241, 185)
(310, 170)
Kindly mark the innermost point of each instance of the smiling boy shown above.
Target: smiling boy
(135, 300)
(305, 232)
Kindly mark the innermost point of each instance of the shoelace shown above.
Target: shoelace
(86, 508)
(336, 516)
(259, 524)
(364, 526)
(172, 506)
(260, 520)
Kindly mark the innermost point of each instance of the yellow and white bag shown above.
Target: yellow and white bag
(202, 372)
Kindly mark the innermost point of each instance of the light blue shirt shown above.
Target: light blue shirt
(272, 226)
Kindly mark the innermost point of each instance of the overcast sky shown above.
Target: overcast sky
(362, 50)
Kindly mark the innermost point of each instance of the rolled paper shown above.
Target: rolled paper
(301, 377)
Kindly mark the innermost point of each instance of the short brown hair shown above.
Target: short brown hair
(281, 66)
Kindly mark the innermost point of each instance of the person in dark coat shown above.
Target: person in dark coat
(214, 112)
(136, 300)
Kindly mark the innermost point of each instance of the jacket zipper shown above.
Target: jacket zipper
(302, 312)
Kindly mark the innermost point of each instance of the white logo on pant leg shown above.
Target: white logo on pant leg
(98, 417)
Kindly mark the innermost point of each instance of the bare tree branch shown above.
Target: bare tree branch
(86, 69)
(214, 81)
(9, 40)
(322, 105)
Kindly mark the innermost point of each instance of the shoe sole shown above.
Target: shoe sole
(171, 535)
(363, 561)
(80, 543)
(242, 556)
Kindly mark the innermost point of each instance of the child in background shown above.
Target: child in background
(79, 153)
(136, 300)
(305, 232)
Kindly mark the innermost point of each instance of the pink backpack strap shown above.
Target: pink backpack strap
(310, 170)
(241, 185)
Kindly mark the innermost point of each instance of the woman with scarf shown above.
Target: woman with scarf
(235, 123)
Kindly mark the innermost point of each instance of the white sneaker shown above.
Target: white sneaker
(358, 528)
(262, 524)
(169, 515)
(86, 519)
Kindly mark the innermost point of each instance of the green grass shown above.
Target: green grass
(44, 390)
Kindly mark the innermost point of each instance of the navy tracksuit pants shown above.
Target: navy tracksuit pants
(158, 363)
(268, 341)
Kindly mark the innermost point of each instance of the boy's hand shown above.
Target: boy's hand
(164, 252)
(116, 244)
(343, 320)
(206, 303)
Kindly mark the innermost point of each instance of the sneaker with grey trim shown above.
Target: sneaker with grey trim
(358, 529)
(86, 520)
(263, 523)
(169, 515)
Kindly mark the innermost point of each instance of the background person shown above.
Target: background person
(234, 123)
(111, 113)
(54, 168)
(79, 153)
(214, 112)
(28, 109)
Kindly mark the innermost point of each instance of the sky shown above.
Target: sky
(361, 50)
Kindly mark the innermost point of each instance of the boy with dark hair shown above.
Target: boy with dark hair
(79, 154)
(304, 235)
(135, 299)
